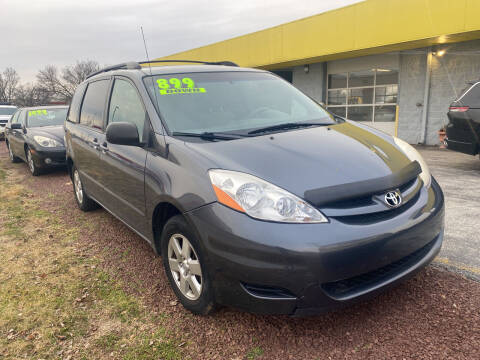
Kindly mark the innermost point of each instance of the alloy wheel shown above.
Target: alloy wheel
(78, 186)
(31, 164)
(185, 266)
(10, 152)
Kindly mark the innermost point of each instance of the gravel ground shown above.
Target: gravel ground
(435, 315)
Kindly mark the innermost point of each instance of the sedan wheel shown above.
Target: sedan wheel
(12, 157)
(185, 266)
(31, 164)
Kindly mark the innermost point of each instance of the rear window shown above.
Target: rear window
(46, 117)
(471, 96)
(74, 111)
(7, 110)
(93, 107)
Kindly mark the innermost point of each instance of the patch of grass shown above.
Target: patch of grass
(153, 347)
(55, 302)
(108, 341)
(124, 307)
(255, 353)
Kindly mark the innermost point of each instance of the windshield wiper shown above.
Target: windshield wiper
(208, 135)
(287, 126)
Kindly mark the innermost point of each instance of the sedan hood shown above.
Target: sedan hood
(55, 132)
(319, 164)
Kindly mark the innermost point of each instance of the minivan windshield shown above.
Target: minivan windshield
(232, 102)
(46, 117)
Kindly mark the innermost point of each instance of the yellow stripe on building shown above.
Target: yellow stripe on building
(368, 27)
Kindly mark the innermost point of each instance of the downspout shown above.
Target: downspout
(426, 97)
(324, 82)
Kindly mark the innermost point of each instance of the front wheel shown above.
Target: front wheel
(186, 267)
(12, 157)
(34, 169)
(84, 202)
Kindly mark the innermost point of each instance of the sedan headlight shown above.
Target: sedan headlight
(413, 155)
(46, 141)
(260, 199)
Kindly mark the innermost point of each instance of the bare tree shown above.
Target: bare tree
(8, 84)
(31, 95)
(62, 86)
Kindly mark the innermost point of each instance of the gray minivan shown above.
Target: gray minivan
(254, 195)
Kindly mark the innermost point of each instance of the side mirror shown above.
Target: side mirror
(123, 133)
(16, 126)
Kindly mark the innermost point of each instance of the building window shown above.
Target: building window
(369, 95)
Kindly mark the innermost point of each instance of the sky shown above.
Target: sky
(36, 33)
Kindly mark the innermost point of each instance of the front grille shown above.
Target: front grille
(344, 288)
(371, 218)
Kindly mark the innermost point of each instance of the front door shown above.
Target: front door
(16, 137)
(124, 166)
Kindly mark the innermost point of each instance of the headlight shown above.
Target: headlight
(260, 199)
(413, 155)
(46, 141)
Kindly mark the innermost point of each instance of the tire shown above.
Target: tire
(34, 169)
(84, 202)
(12, 157)
(190, 264)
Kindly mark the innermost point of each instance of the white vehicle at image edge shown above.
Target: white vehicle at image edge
(6, 112)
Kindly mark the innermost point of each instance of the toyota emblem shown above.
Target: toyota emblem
(393, 198)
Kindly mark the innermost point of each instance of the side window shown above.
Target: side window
(126, 106)
(93, 106)
(74, 110)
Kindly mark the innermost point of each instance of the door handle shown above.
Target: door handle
(94, 143)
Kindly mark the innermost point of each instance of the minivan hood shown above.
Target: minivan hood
(304, 161)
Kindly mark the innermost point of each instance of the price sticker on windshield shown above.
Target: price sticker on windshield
(37, 112)
(175, 86)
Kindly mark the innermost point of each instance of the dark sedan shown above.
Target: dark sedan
(36, 136)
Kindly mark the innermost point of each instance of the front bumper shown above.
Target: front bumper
(302, 269)
(45, 157)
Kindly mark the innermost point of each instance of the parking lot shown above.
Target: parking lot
(459, 176)
(434, 315)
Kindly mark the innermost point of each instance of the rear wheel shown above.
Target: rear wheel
(84, 202)
(186, 267)
(12, 157)
(34, 169)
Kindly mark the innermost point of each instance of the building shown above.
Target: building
(365, 59)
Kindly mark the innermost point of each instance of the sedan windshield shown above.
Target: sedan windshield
(232, 102)
(46, 117)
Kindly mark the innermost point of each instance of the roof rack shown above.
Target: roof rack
(132, 65)
(127, 65)
(224, 63)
